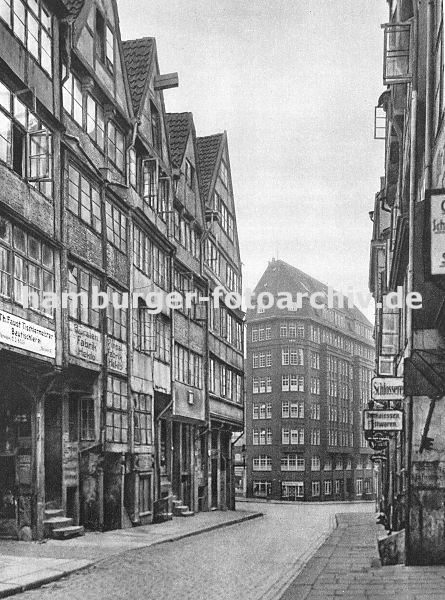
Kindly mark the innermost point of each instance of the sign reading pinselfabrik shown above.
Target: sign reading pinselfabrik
(85, 343)
(384, 389)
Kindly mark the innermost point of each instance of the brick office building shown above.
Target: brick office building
(307, 378)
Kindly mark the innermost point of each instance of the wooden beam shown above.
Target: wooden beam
(167, 81)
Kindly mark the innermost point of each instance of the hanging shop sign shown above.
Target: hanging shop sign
(26, 335)
(377, 457)
(385, 389)
(85, 343)
(437, 232)
(382, 420)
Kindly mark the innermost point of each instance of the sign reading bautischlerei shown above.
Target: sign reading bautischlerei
(384, 389)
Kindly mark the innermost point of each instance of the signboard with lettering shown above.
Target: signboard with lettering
(85, 343)
(382, 420)
(437, 233)
(117, 356)
(70, 464)
(26, 335)
(384, 389)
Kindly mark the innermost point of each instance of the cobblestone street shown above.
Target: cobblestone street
(253, 560)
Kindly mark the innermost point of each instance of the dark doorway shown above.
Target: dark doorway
(53, 450)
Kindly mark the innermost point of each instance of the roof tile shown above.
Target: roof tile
(179, 126)
(137, 57)
(208, 148)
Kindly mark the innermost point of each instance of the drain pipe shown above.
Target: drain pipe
(429, 94)
(410, 277)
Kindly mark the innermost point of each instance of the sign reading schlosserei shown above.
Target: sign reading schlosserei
(437, 232)
(26, 335)
(382, 420)
(384, 389)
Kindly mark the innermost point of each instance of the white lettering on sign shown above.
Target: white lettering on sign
(85, 343)
(437, 230)
(23, 334)
(387, 388)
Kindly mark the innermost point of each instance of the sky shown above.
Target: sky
(294, 83)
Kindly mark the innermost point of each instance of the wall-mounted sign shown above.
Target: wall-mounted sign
(26, 335)
(437, 233)
(117, 356)
(70, 464)
(382, 420)
(85, 343)
(384, 389)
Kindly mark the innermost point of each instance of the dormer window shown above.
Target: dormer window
(104, 38)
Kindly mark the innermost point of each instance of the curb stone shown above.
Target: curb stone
(11, 589)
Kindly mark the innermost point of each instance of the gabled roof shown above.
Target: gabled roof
(282, 277)
(137, 57)
(74, 7)
(208, 149)
(179, 126)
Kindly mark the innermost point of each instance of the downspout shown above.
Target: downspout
(429, 94)
(68, 47)
(410, 276)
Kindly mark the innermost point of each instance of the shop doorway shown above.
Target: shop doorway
(53, 450)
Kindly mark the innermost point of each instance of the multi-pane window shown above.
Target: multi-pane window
(142, 419)
(285, 356)
(285, 383)
(315, 488)
(116, 226)
(163, 336)
(328, 464)
(161, 267)
(359, 487)
(262, 488)
(262, 462)
(132, 167)
(25, 261)
(188, 366)
(291, 490)
(262, 411)
(116, 145)
(261, 334)
(149, 182)
(296, 356)
(31, 23)
(117, 407)
(315, 437)
(81, 284)
(95, 124)
(84, 199)
(116, 316)
(315, 360)
(81, 417)
(145, 331)
(141, 250)
(104, 39)
(212, 257)
(223, 174)
(297, 410)
(297, 436)
(117, 416)
(254, 334)
(315, 463)
(25, 143)
(262, 436)
(315, 385)
(268, 332)
(292, 462)
(72, 98)
(315, 411)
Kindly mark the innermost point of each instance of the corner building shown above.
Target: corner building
(308, 376)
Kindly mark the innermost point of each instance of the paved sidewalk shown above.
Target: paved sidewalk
(347, 566)
(27, 565)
